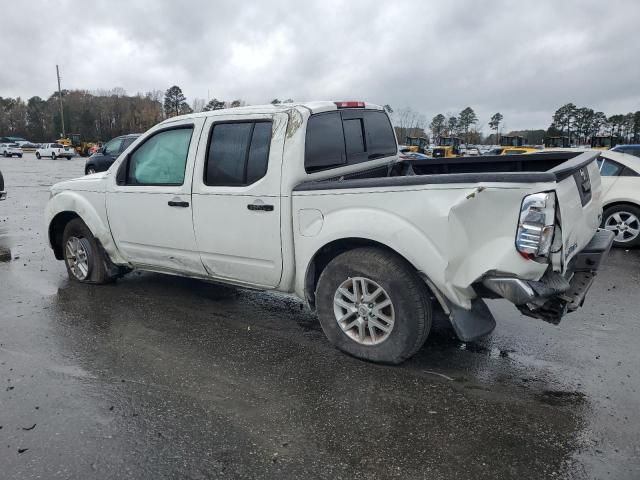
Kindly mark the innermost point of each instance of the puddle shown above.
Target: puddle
(561, 397)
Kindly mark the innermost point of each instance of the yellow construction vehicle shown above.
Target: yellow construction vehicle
(557, 142)
(417, 144)
(73, 140)
(604, 142)
(447, 147)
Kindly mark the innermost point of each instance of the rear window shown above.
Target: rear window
(347, 137)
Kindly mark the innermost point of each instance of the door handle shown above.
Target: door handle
(260, 207)
(174, 203)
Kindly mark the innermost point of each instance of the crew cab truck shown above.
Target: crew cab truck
(312, 199)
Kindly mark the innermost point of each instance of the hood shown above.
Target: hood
(95, 182)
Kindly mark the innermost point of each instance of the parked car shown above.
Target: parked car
(10, 149)
(3, 192)
(311, 199)
(54, 150)
(104, 158)
(17, 140)
(621, 196)
(632, 149)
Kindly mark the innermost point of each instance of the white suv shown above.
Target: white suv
(54, 150)
(10, 149)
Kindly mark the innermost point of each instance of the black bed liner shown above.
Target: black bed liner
(525, 168)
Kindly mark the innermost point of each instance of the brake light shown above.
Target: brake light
(349, 104)
(536, 225)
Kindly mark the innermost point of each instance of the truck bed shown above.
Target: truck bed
(529, 168)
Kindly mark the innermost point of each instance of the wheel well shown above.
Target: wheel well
(56, 229)
(327, 253)
(617, 204)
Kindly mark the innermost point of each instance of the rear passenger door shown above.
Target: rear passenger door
(236, 198)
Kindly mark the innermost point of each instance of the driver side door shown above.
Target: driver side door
(149, 203)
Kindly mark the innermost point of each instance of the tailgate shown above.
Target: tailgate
(579, 194)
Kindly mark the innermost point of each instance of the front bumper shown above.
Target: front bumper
(554, 294)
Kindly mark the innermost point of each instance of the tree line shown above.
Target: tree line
(577, 124)
(100, 115)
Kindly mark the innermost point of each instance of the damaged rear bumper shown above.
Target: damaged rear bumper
(554, 294)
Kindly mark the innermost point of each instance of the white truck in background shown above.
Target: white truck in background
(312, 199)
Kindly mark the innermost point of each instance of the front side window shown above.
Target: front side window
(238, 153)
(161, 159)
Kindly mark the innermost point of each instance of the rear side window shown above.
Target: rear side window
(609, 168)
(347, 137)
(126, 142)
(238, 153)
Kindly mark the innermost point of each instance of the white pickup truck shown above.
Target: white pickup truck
(54, 150)
(312, 199)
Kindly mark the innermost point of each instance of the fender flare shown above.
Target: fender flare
(72, 202)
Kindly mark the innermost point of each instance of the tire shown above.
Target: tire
(82, 256)
(90, 170)
(410, 308)
(5, 154)
(38, 155)
(53, 155)
(19, 156)
(624, 221)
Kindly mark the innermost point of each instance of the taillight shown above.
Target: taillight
(536, 225)
(349, 104)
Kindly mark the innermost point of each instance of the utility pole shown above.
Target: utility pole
(60, 97)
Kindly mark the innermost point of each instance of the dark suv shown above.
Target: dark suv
(104, 158)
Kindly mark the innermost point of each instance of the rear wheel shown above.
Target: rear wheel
(19, 156)
(372, 305)
(53, 155)
(624, 222)
(6, 154)
(38, 155)
(82, 256)
(90, 170)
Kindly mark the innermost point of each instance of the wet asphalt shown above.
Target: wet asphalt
(162, 377)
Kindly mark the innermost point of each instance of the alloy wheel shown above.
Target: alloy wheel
(364, 311)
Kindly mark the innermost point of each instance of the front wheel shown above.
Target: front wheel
(624, 222)
(373, 305)
(82, 256)
(53, 155)
(90, 170)
(6, 154)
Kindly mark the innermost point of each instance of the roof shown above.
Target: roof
(313, 107)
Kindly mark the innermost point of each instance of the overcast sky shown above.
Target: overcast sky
(523, 59)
